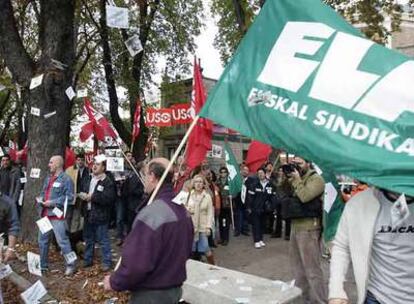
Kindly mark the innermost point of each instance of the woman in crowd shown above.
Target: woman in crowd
(200, 206)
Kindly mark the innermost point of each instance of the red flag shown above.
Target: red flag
(70, 157)
(257, 155)
(13, 150)
(22, 154)
(97, 124)
(200, 138)
(137, 118)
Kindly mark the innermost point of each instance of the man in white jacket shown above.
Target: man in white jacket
(376, 233)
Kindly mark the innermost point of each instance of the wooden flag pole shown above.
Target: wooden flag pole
(129, 162)
(181, 164)
(173, 159)
(164, 175)
(231, 212)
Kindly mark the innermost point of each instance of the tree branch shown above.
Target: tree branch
(240, 16)
(11, 46)
(110, 81)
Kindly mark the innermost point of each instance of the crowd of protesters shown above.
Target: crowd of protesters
(195, 212)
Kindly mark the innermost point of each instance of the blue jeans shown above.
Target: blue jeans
(59, 229)
(201, 245)
(93, 233)
(370, 299)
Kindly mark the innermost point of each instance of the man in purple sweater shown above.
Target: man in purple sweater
(156, 250)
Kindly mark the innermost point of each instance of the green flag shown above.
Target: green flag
(235, 180)
(333, 205)
(305, 80)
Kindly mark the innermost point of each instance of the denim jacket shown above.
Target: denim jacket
(61, 189)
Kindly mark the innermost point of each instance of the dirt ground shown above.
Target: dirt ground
(271, 262)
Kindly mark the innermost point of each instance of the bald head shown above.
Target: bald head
(154, 170)
(56, 164)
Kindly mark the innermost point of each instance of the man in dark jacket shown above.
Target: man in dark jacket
(155, 252)
(226, 201)
(240, 216)
(258, 196)
(5, 174)
(97, 206)
(132, 195)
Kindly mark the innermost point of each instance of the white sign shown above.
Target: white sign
(330, 196)
(134, 45)
(117, 17)
(21, 196)
(34, 293)
(35, 173)
(23, 180)
(5, 271)
(57, 211)
(70, 93)
(82, 93)
(44, 225)
(35, 111)
(215, 152)
(115, 164)
(71, 257)
(33, 263)
(36, 81)
(181, 198)
(65, 206)
(49, 114)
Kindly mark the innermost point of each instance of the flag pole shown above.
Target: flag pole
(131, 165)
(181, 164)
(231, 212)
(173, 159)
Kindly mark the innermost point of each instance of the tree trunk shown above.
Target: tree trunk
(133, 87)
(47, 137)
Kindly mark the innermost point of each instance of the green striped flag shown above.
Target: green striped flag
(235, 179)
(306, 81)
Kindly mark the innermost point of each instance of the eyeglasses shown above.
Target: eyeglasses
(223, 172)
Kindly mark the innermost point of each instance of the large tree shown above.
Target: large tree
(35, 34)
(165, 28)
(55, 41)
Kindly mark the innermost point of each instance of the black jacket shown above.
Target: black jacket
(5, 180)
(258, 196)
(248, 184)
(103, 199)
(83, 180)
(132, 191)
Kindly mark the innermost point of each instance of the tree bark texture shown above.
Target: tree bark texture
(46, 136)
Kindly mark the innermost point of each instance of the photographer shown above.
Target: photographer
(305, 211)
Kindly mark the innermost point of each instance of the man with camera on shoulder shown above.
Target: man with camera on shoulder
(304, 208)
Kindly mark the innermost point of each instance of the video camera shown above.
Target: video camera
(288, 169)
